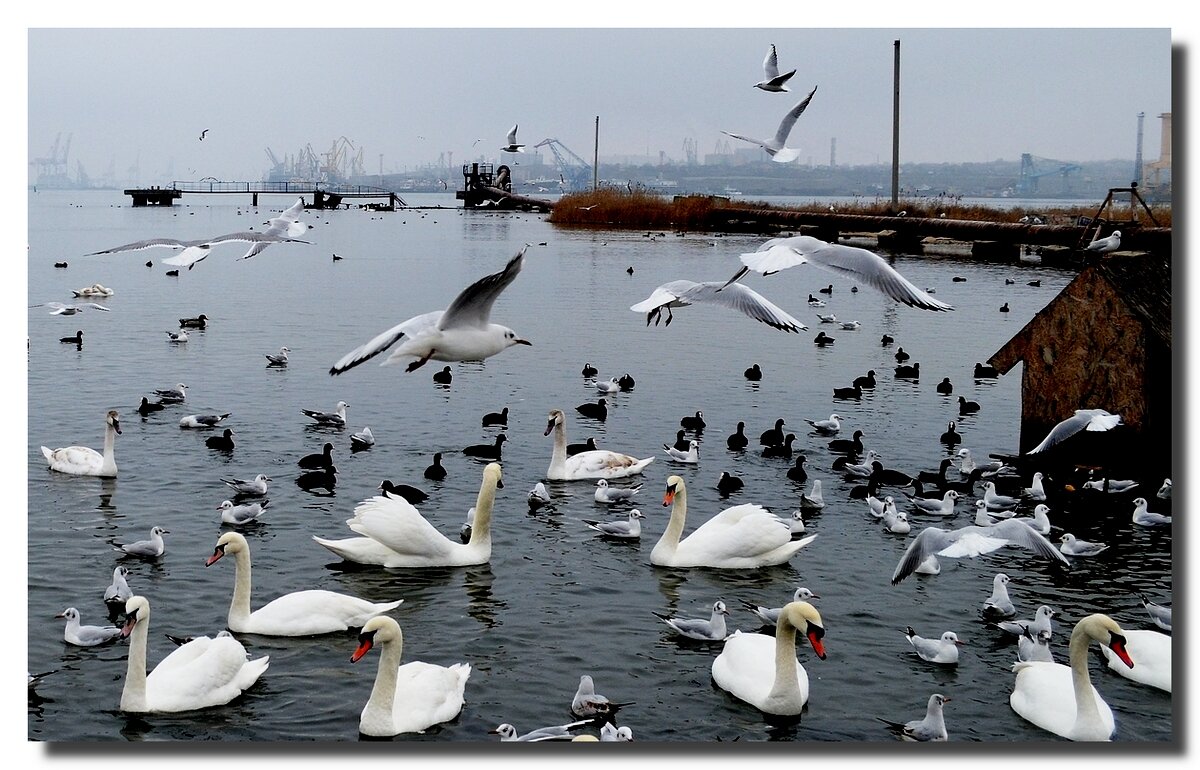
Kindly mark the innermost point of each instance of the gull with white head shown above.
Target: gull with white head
(772, 80)
(461, 332)
(775, 146)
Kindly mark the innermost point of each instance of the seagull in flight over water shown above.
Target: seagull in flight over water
(461, 332)
(775, 145)
(774, 81)
(682, 293)
(1084, 419)
(58, 308)
(281, 229)
(848, 261)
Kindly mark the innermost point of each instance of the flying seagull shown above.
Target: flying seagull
(734, 295)
(847, 261)
(775, 145)
(1084, 419)
(202, 133)
(461, 332)
(512, 145)
(773, 81)
(58, 308)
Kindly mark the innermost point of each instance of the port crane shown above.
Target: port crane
(1027, 182)
(574, 171)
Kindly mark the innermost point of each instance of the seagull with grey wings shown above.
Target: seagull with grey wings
(775, 146)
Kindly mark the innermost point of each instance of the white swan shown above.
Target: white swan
(83, 461)
(396, 535)
(202, 673)
(408, 698)
(1061, 699)
(1150, 652)
(302, 613)
(763, 671)
(741, 537)
(592, 464)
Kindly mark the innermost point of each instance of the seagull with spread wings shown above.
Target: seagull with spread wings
(735, 296)
(775, 145)
(461, 332)
(773, 80)
(281, 229)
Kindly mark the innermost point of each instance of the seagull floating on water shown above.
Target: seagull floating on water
(627, 528)
(709, 630)
(256, 486)
(770, 615)
(1073, 546)
(461, 332)
(85, 636)
(775, 145)
(336, 418)
(241, 514)
(151, 548)
(279, 359)
(201, 420)
(943, 650)
(610, 494)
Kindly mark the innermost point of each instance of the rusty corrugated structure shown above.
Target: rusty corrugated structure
(1104, 342)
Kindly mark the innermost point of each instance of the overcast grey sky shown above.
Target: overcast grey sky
(143, 96)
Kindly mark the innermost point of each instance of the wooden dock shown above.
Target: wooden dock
(322, 196)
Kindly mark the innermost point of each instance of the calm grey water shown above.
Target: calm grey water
(556, 601)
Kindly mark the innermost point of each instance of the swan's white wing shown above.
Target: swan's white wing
(743, 300)
(1084, 419)
(316, 611)
(789, 120)
(599, 461)
(771, 64)
(472, 307)
(848, 261)
(413, 327)
(741, 531)
(395, 523)
(173, 243)
(217, 675)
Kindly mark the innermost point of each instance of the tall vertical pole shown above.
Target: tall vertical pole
(896, 128)
(596, 158)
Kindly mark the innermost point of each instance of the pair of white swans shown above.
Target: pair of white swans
(1061, 699)
(203, 673)
(742, 537)
(84, 461)
(301, 613)
(394, 534)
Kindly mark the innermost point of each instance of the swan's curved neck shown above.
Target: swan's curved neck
(670, 537)
(481, 527)
(239, 606)
(786, 681)
(558, 458)
(133, 695)
(109, 464)
(383, 693)
(1086, 711)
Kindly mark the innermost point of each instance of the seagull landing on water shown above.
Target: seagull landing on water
(461, 332)
(58, 308)
(773, 80)
(512, 145)
(775, 145)
(850, 261)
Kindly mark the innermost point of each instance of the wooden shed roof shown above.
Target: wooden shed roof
(1143, 282)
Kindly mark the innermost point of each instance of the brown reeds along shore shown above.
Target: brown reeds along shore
(636, 208)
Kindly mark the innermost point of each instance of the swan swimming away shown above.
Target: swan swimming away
(763, 671)
(461, 332)
(201, 673)
(775, 146)
(848, 261)
(302, 613)
(1061, 699)
(406, 698)
(591, 464)
(84, 461)
(395, 534)
(742, 537)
